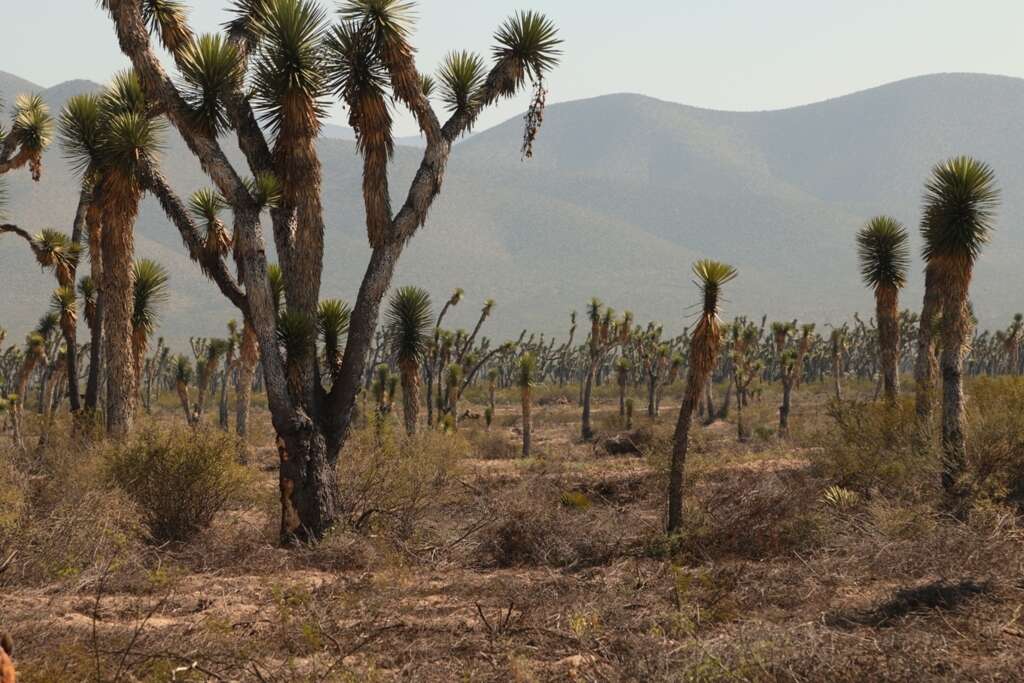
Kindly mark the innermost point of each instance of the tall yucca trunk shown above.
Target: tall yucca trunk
(186, 404)
(837, 371)
(92, 385)
(956, 277)
(622, 395)
(886, 310)
(249, 356)
(71, 331)
(140, 344)
(586, 430)
(527, 400)
(118, 255)
(300, 173)
(785, 408)
(410, 370)
(18, 406)
(222, 408)
(926, 365)
(703, 351)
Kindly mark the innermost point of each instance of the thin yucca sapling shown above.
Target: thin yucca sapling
(525, 379)
(182, 377)
(789, 369)
(408, 324)
(622, 370)
(704, 346)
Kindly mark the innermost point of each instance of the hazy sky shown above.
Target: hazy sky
(723, 54)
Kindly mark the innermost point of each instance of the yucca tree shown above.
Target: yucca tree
(248, 357)
(409, 321)
(960, 203)
(59, 253)
(112, 140)
(291, 62)
(182, 377)
(34, 353)
(705, 342)
(230, 363)
(215, 352)
(333, 319)
(151, 291)
(837, 345)
(30, 133)
(435, 364)
(595, 346)
(882, 246)
(525, 379)
(206, 207)
(622, 369)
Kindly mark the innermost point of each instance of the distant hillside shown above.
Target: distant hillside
(623, 194)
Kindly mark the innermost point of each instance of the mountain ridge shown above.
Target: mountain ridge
(624, 191)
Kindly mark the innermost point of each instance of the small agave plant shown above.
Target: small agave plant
(840, 498)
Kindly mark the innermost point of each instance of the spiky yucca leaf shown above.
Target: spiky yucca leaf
(391, 20)
(124, 95)
(530, 40)
(409, 323)
(48, 325)
(275, 277)
(461, 75)
(959, 208)
(288, 80)
(296, 333)
(357, 76)
(882, 246)
(427, 85)
(211, 69)
(332, 319)
(55, 250)
(206, 205)
(526, 371)
(64, 303)
(711, 277)
(244, 26)
(131, 138)
(168, 19)
(182, 369)
(35, 342)
(87, 290)
(32, 122)
(265, 189)
(81, 130)
(151, 291)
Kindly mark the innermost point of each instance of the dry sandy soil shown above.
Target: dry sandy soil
(553, 568)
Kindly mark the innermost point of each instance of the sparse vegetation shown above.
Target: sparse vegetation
(816, 523)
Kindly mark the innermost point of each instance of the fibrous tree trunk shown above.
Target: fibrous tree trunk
(118, 240)
(888, 340)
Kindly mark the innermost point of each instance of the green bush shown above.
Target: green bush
(179, 479)
(995, 443)
(872, 447)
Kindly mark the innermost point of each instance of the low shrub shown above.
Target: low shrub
(179, 479)
(538, 525)
(389, 481)
(996, 439)
(493, 445)
(872, 447)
